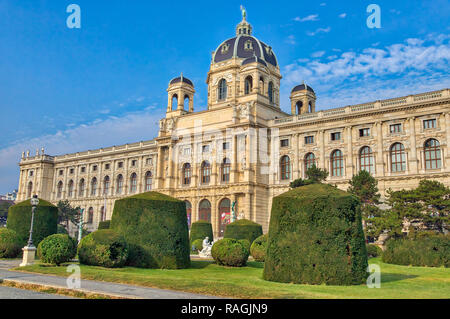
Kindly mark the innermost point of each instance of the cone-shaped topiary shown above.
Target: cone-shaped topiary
(10, 246)
(56, 249)
(243, 229)
(156, 229)
(258, 248)
(230, 252)
(104, 224)
(201, 229)
(45, 221)
(103, 248)
(316, 237)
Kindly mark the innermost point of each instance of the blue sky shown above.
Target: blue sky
(105, 84)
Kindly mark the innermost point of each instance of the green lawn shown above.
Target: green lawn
(207, 278)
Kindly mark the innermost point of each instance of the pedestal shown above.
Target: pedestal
(28, 256)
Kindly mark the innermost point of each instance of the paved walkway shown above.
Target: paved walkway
(14, 293)
(91, 286)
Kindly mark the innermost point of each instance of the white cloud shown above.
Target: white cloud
(319, 30)
(414, 66)
(342, 15)
(130, 128)
(311, 17)
(318, 54)
(291, 39)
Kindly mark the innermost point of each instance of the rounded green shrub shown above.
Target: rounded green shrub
(103, 248)
(200, 230)
(10, 246)
(316, 237)
(155, 227)
(56, 249)
(243, 229)
(45, 221)
(230, 252)
(104, 224)
(373, 251)
(430, 251)
(197, 245)
(258, 248)
(62, 230)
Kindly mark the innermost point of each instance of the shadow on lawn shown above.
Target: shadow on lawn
(389, 277)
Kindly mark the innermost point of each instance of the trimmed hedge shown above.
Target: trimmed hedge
(103, 248)
(197, 244)
(155, 227)
(104, 224)
(45, 221)
(56, 249)
(201, 229)
(230, 252)
(10, 246)
(316, 237)
(243, 229)
(373, 251)
(258, 248)
(432, 251)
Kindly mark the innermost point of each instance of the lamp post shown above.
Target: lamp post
(29, 251)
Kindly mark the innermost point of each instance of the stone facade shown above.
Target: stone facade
(245, 150)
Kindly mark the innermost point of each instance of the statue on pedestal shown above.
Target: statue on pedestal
(206, 251)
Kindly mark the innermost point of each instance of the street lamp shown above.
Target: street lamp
(29, 251)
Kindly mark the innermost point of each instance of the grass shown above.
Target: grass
(208, 278)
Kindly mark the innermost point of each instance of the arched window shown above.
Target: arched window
(119, 188)
(261, 85)
(174, 102)
(222, 89)
(81, 188)
(186, 101)
(310, 109)
(30, 189)
(248, 84)
(59, 190)
(204, 210)
(310, 160)
(224, 215)
(106, 183)
(270, 92)
(70, 189)
(432, 152)
(148, 181)
(94, 187)
(366, 160)
(186, 174)
(298, 107)
(188, 213)
(225, 169)
(398, 158)
(206, 172)
(337, 163)
(133, 183)
(102, 214)
(90, 215)
(285, 168)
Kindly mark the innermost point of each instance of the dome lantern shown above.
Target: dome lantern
(243, 28)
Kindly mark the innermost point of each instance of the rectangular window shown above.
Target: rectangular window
(395, 128)
(120, 164)
(149, 161)
(107, 166)
(336, 136)
(31, 173)
(94, 168)
(205, 148)
(429, 124)
(83, 169)
(309, 140)
(133, 163)
(61, 172)
(226, 146)
(187, 151)
(364, 132)
(284, 143)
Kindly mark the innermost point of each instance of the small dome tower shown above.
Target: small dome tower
(303, 99)
(180, 90)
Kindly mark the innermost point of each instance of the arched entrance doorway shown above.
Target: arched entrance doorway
(188, 213)
(204, 210)
(224, 214)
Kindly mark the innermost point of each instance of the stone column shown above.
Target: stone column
(159, 169)
(322, 149)
(234, 165)
(296, 166)
(446, 157)
(413, 169)
(349, 165)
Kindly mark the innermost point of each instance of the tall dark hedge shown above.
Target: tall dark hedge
(45, 221)
(316, 237)
(243, 229)
(104, 224)
(155, 227)
(201, 229)
(432, 251)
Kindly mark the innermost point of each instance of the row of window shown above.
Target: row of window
(205, 172)
(133, 163)
(148, 180)
(90, 215)
(364, 132)
(397, 153)
(248, 86)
